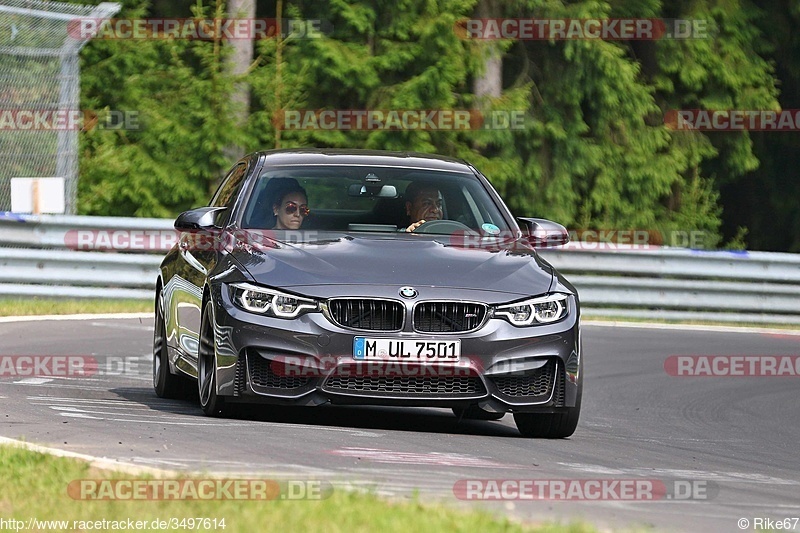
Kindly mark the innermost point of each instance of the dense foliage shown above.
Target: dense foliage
(594, 151)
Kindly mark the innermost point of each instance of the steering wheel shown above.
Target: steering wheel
(447, 227)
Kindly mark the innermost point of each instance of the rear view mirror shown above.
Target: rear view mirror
(384, 191)
(372, 187)
(543, 233)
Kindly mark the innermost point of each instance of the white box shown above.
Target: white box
(49, 195)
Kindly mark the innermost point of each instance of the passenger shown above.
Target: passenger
(291, 208)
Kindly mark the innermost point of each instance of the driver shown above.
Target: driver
(423, 203)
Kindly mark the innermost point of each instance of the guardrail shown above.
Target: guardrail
(646, 282)
(758, 287)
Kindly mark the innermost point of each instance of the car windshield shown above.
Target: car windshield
(374, 199)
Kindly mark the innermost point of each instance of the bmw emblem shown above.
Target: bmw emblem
(408, 292)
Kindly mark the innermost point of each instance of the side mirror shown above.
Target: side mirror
(201, 218)
(543, 233)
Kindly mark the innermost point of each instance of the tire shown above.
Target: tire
(165, 383)
(550, 425)
(211, 403)
(473, 412)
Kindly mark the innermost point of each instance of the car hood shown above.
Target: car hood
(397, 260)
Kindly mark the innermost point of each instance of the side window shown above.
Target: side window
(230, 185)
(226, 194)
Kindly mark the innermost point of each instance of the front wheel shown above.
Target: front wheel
(550, 425)
(210, 401)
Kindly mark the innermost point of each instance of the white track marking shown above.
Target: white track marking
(97, 462)
(143, 327)
(726, 477)
(81, 415)
(57, 318)
(419, 458)
(33, 381)
(106, 411)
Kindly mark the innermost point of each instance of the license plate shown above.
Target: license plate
(407, 349)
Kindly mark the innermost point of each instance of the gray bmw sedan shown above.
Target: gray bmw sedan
(372, 278)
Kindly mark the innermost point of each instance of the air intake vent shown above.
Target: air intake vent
(448, 317)
(407, 386)
(373, 315)
(538, 383)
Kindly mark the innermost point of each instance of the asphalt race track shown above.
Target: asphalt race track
(734, 439)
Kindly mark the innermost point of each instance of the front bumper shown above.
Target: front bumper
(309, 361)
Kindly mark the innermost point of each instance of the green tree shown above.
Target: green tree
(594, 151)
(180, 92)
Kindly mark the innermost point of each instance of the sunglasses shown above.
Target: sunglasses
(291, 207)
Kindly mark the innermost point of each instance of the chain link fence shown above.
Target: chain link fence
(39, 92)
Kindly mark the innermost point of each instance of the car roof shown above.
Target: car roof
(352, 157)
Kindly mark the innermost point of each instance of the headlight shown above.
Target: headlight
(542, 310)
(269, 301)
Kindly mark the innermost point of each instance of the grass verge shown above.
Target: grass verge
(34, 485)
(45, 306)
(48, 306)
